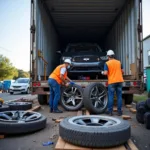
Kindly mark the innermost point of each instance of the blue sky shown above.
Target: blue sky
(15, 30)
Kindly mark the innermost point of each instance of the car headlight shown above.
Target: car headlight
(104, 58)
(63, 58)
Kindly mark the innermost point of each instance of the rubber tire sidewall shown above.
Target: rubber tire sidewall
(88, 103)
(19, 128)
(71, 109)
(26, 106)
(92, 137)
(42, 99)
(4, 108)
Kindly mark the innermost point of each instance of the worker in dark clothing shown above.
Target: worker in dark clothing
(57, 78)
(114, 71)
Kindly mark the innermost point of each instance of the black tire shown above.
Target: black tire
(20, 128)
(69, 107)
(147, 120)
(4, 108)
(128, 99)
(140, 114)
(94, 136)
(11, 93)
(28, 91)
(20, 105)
(88, 103)
(143, 103)
(148, 103)
(42, 99)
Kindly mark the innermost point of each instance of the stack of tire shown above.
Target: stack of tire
(143, 113)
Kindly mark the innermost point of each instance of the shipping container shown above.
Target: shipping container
(113, 24)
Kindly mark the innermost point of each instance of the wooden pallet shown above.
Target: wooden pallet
(62, 145)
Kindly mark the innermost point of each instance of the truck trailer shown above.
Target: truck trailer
(113, 24)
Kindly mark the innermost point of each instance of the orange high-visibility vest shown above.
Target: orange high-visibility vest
(114, 71)
(56, 74)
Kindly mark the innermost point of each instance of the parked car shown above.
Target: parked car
(20, 85)
(85, 57)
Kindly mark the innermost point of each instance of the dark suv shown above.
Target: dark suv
(85, 57)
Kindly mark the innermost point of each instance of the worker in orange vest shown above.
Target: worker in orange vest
(114, 71)
(58, 77)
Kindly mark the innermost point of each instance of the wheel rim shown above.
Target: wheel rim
(18, 103)
(72, 97)
(98, 96)
(19, 116)
(94, 121)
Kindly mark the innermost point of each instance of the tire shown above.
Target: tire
(128, 98)
(148, 103)
(42, 99)
(16, 127)
(140, 114)
(143, 103)
(20, 105)
(94, 136)
(78, 92)
(88, 103)
(4, 108)
(28, 91)
(147, 120)
(11, 93)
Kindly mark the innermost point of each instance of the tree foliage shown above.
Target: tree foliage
(23, 74)
(7, 70)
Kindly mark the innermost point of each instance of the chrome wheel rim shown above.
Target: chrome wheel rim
(19, 116)
(98, 96)
(72, 97)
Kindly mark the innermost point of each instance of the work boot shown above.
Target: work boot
(110, 113)
(57, 111)
(119, 113)
(51, 110)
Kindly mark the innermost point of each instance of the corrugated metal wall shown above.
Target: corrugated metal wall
(122, 37)
(46, 40)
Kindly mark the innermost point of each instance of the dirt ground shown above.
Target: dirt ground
(139, 134)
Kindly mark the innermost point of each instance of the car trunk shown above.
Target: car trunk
(110, 23)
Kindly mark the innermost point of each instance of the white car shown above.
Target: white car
(20, 85)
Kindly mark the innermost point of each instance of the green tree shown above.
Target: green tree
(23, 74)
(7, 70)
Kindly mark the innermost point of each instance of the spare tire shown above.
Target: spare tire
(72, 97)
(4, 108)
(147, 120)
(42, 99)
(143, 103)
(140, 114)
(20, 105)
(148, 103)
(95, 98)
(95, 131)
(128, 98)
(18, 122)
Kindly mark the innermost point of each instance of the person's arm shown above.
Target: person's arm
(68, 79)
(62, 72)
(105, 72)
(122, 69)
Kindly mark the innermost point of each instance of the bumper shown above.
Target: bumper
(86, 67)
(18, 90)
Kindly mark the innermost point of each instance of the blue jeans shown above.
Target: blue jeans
(112, 88)
(54, 93)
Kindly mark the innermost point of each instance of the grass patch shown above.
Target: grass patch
(139, 98)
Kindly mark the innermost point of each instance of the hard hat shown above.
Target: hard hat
(67, 61)
(110, 52)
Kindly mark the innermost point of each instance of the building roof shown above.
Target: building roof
(146, 37)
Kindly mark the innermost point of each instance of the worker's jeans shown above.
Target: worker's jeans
(112, 88)
(54, 93)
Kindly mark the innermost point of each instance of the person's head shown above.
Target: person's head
(67, 63)
(110, 54)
